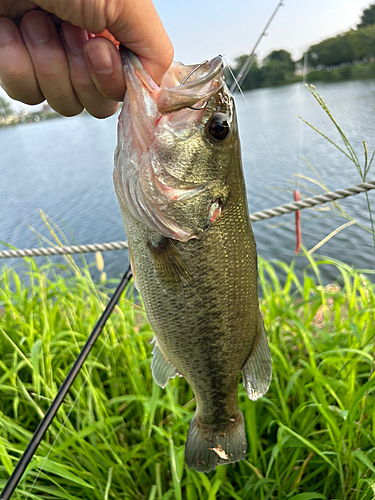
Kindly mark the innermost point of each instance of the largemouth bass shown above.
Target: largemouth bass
(179, 181)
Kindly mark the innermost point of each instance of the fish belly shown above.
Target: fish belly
(206, 327)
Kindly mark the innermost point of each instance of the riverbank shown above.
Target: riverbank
(363, 71)
(119, 435)
(258, 78)
(20, 119)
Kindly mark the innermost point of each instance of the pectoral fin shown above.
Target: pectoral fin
(257, 371)
(162, 369)
(169, 263)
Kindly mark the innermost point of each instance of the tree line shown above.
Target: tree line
(278, 68)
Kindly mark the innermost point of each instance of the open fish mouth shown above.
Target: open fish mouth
(182, 86)
(144, 183)
(195, 84)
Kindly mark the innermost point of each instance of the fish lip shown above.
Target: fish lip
(141, 91)
(207, 79)
(212, 68)
(129, 58)
(186, 95)
(215, 65)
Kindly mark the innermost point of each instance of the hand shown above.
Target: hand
(56, 53)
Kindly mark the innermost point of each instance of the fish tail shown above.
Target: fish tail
(208, 446)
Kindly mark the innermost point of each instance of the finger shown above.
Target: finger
(16, 69)
(135, 24)
(105, 65)
(138, 27)
(96, 104)
(12, 9)
(50, 62)
(90, 15)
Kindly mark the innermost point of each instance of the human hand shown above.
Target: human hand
(55, 54)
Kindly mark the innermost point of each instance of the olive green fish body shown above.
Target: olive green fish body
(194, 258)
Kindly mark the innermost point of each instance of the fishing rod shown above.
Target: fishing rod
(251, 58)
(28, 454)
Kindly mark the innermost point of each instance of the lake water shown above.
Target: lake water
(64, 167)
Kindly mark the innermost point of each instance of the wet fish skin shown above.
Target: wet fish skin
(193, 251)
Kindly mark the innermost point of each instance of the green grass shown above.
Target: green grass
(119, 436)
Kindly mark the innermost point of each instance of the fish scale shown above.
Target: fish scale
(197, 273)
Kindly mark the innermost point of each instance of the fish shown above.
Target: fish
(179, 181)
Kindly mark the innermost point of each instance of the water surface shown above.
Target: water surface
(64, 167)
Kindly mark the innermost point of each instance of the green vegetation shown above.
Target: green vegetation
(119, 436)
(345, 147)
(368, 16)
(346, 48)
(276, 69)
(348, 72)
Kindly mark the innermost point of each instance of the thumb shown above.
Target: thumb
(138, 26)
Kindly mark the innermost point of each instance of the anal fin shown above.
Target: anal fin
(162, 369)
(131, 262)
(257, 371)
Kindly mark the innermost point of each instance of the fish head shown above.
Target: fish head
(176, 145)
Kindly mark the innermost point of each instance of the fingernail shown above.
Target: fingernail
(100, 57)
(7, 32)
(74, 37)
(37, 27)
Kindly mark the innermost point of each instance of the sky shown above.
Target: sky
(202, 29)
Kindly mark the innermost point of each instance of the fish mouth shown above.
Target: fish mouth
(145, 184)
(183, 86)
(194, 84)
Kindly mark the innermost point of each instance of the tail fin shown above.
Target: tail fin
(208, 446)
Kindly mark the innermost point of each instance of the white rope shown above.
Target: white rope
(312, 202)
(63, 250)
(255, 217)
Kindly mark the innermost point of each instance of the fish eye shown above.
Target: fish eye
(219, 127)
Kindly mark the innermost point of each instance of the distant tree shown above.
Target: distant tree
(5, 108)
(333, 51)
(277, 68)
(368, 17)
(281, 56)
(364, 42)
(276, 72)
(253, 78)
(348, 47)
(240, 61)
